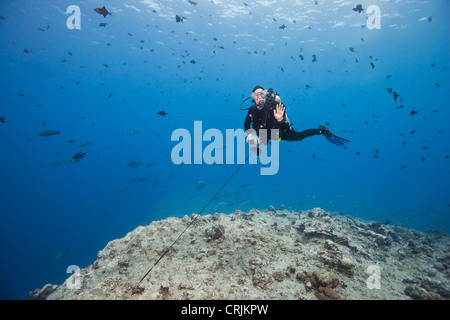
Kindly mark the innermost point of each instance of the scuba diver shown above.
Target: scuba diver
(268, 112)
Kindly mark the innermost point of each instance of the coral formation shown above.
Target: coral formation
(324, 284)
(347, 267)
(268, 254)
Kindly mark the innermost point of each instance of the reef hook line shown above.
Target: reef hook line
(193, 220)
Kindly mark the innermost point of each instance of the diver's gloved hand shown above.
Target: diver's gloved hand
(339, 141)
(253, 140)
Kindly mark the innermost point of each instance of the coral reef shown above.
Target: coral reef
(268, 254)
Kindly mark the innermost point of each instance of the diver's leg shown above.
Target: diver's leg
(292, 135)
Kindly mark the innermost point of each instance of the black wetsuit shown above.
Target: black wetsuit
(264, 119)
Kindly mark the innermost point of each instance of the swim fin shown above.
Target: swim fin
(334, 139)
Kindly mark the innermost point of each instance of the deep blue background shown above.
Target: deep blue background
(49, 204)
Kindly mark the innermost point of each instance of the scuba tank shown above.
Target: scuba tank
(272, 98)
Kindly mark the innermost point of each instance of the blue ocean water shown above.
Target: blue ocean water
(102, 87)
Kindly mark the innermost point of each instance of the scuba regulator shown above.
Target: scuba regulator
(271, 98)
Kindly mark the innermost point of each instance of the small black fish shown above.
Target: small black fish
(193, 61)
(301, 57)
(178, 18)
(396, 95)
(389, 90)
(413, 112)
(314, 58)
(283, 27)
(102, 11)
(373, 66)
(358, 8)
(201, 184)
(80, 155)
(194, 3)
(2, 119)
(352, 49)
(162, 113)
(103, 24)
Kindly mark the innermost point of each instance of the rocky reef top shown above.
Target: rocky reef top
(268, 254)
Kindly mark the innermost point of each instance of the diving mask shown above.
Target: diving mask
(260, 98)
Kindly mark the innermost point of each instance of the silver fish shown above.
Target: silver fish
(48, 133)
